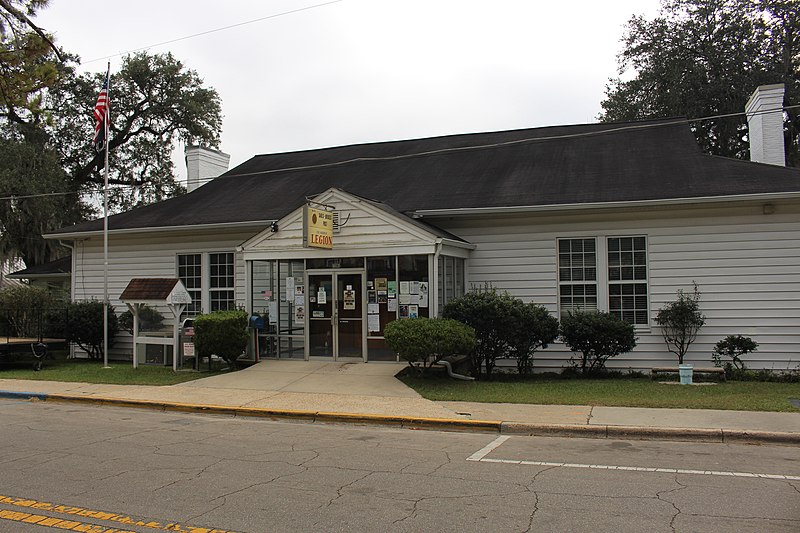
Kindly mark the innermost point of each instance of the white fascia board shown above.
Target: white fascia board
(40, 276)
(636, 204)
(311, 253)
(160, 229)
(457, 244)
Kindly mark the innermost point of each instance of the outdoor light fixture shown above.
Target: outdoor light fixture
(273, 227)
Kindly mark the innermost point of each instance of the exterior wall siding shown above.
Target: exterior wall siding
(364, 227)
(145, 256)
(746, 264)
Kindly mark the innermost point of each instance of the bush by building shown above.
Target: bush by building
(733, 347)
(83, 325)
(425, 341)
(533, 328)
(680, 322)
(221, 333)
(597, 337)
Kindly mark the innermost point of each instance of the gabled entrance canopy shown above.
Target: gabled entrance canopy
(365, 227)
(381, 265)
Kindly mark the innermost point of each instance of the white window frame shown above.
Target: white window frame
(602, 281)
(597, 266)
(645, 281)
(205, 281)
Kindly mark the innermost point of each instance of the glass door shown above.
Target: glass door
(321, 317)
(349, 315)
(336, 315)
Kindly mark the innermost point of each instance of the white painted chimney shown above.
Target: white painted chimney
(765, 125)
(203, 164)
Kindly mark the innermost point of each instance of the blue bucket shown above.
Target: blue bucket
(685, 372)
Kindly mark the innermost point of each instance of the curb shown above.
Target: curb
(273, 414)
(443, 424)
(727, 436)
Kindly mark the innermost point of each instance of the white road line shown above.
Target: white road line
(480, 456)
(633, 468)
(486, 450)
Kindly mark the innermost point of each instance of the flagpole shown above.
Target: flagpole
(105, 229)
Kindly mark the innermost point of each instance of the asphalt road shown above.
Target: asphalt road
(101, 469)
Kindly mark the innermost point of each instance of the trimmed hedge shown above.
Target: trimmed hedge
(597, 336)
(504, 327)
(221, 333)
(427, 340)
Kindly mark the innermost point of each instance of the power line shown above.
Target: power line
(426, 153)
(505, 143)
(215, 30)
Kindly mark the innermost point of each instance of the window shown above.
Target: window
(577, 275)
(450, 282)
(608, 274)
(627, 279)
(210, 280)
(190, 272)
(221, 292)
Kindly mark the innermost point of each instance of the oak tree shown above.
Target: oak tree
(702, 58)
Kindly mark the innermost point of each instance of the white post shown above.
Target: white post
(177, 310)
(135, 311)
(105, 232)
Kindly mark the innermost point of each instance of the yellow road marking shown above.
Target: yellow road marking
(71, 525)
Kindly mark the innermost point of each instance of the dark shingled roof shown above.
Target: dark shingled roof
(148, 289)
(57, 267)
(533, 167)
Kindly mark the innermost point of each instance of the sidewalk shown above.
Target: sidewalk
(363, 393)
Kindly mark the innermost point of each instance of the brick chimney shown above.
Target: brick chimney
(203, 164)
(765, 125)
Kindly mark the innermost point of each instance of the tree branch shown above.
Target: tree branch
(22, 17)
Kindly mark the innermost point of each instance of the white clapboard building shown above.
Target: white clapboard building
(616, 217)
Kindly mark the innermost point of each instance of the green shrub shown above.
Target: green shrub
(150, 319)
(491, 315)
(533, 328)
(221, 333)
(734, 347)
(427, 340)
(597, 337)
(22, 308)
(83, 325)
(680, 321)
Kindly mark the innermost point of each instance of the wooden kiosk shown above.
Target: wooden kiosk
(156, 291)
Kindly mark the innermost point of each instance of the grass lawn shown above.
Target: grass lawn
(120, 373)
(623, 392)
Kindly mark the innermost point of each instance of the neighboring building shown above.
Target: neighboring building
(7, 268)
(615, 217)
(55, 276)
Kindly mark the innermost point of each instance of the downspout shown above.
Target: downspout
(434, 292)
(452, 374)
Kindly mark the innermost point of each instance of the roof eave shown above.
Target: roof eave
(161, 229)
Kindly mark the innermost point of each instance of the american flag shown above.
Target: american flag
(101, 115)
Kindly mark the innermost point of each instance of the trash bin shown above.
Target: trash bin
(685, 372)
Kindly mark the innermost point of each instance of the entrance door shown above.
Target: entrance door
(335, 320)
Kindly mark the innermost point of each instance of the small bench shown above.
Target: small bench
(720, 372)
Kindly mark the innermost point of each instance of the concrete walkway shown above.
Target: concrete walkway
(370, 393)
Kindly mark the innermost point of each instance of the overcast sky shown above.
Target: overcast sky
(358, 71)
